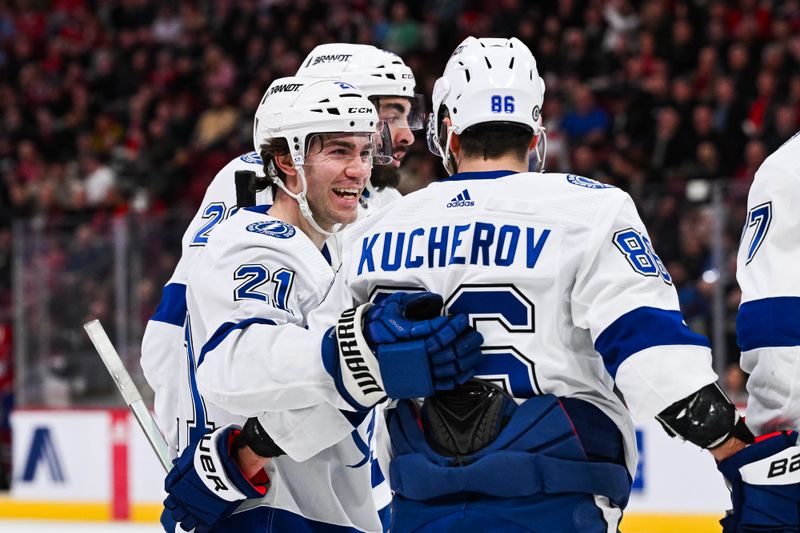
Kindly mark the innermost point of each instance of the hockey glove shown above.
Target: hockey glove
(400, 348)
(205, 485)
(764, 480)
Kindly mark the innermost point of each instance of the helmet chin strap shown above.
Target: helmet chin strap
(300, 198)
(543, 144)
(449, 165)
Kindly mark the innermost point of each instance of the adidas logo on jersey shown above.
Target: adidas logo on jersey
(462, 200)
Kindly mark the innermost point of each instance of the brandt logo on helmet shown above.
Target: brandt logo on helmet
(462, 200)
(285, 88)
(273, 228)
(359, 110)
(536, 112)
(330, 58)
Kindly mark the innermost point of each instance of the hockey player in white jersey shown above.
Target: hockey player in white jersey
(250, 357)
(580, 318)
(768, 322)
(389, 83)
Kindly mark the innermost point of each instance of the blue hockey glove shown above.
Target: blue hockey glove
(400, 348)
(205, 484)
(765, 486)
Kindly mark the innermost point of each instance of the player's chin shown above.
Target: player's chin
(346, 216)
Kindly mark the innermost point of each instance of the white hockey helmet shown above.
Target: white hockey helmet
(296, 109)
(486, 80)
(374, 71)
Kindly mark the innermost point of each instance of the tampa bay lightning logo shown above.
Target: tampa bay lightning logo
(587, 182)
(253, 158)
(273, 228)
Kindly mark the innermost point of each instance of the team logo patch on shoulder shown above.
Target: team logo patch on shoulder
(273, 228)
(252, 158)
(580, 181)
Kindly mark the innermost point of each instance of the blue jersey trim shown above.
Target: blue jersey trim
(326, 253)
(330, 353)
(199, 428)
(172, 307)
(225, 329)
(356, 418)
(642, 328)
(376, 474)
(770, 322)
(488, 175)
(261, 209)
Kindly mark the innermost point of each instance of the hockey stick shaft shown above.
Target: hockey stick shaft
(245, 196)
(122, 379)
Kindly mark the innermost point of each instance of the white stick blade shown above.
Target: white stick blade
(112, 361)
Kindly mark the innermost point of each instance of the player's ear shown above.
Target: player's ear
(534, 143)
(284, 163)
(455, 144)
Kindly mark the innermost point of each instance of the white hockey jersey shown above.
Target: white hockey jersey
(163, 342)
(768, 323)
(557, 272)
(250, 354)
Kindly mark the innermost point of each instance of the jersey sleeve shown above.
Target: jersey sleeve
(624, 296)
(768, 322)
(257, 357)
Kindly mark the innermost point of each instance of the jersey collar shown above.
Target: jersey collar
(486, 175)
(261, 209)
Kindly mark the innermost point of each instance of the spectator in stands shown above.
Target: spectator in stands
(586, 122)
(99, 180)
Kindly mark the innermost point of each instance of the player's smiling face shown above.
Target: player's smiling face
(337, 168)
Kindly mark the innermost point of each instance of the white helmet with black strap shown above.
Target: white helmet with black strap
(486, 80)
(296, 109)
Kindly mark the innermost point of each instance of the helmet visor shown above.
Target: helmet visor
(346, 148)
(401, 111)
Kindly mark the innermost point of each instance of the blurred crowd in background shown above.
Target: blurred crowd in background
(127, 108)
